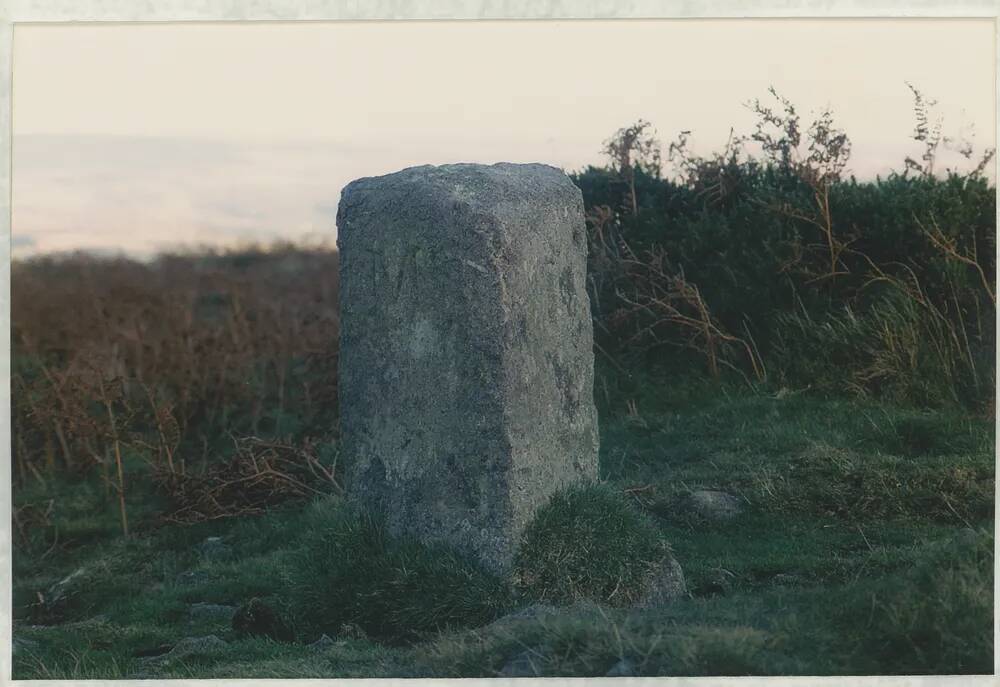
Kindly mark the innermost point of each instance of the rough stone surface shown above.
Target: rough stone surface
(666, 583)
(466, 349)
(714, 505)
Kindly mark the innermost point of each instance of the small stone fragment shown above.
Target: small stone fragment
(665, 584)
(214, 548)
(713, 505)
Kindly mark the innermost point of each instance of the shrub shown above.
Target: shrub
(784, 269)
(588, 543)
(349, 571)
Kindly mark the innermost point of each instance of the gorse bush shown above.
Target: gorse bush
(349, 571)
(784, 270)
(588, 543)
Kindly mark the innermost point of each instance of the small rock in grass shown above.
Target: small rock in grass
(64, 588)
(324, 642)
(352, 631)
(207, 611)
(257, 619)
(521, 665)
(665, 584)
(623, 668)
(213, 548)
(193, 577)
(713, 505)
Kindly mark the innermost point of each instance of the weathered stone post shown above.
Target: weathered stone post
(466, 350)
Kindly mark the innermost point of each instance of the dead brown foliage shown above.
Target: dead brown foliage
(117, 360)
(261, 473)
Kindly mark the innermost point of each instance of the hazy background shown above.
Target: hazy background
(138, 137)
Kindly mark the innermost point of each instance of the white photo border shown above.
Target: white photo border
(14, 12)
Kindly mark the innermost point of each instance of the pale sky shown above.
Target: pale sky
(144, 136)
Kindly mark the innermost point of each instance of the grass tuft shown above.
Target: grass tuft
(937, 618)
(588, 543)
(349, 571)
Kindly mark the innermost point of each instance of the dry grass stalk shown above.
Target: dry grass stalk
(261, 474)
(669, 299)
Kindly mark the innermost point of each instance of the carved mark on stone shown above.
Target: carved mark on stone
(566, 289)
(475, 266)
(564, 383)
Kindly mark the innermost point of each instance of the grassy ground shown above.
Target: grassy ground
(865, 545)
